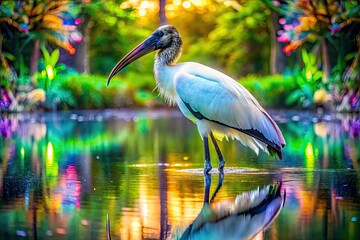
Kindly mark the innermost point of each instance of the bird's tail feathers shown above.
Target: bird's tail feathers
(274, 152)
(255, 144)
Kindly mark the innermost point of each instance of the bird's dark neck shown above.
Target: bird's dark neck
(171, 54)
(163, 70)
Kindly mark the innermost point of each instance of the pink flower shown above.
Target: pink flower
(282, 21)
(283, 38)
(287, 27)
(276, 3)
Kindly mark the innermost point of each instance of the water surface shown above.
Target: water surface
(62, 173)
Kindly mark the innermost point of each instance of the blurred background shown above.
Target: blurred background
(56, 55)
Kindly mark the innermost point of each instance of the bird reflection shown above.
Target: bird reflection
(244, 218)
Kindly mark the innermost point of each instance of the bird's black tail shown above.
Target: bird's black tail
(274, 152)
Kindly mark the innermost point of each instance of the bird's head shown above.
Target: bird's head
(162, 38)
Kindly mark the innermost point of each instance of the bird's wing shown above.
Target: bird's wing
(215, 96)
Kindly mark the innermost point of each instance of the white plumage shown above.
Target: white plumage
(219, 105)
(251, 213)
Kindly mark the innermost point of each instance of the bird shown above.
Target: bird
(219, 106)
(245, 217)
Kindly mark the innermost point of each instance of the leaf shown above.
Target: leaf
(50, 6)
(51, 18)
(47, 58)
(8, 56)
(54, 57)
(293, 97)
(305, 57)
(350, 56)
(312, 60)
(5, 11)
(60, 67)
(308, 92)
(38, 9)
(61, 7)
(57, 40)
(317, 75)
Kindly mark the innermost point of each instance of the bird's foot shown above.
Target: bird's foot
(207, 168)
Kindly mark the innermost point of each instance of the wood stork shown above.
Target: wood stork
(216, 103)
(247, 217)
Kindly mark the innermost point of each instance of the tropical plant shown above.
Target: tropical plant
(320, 22)
(9, 19)
(308, 80)
(44, 22)
(50, 66)
(49, 79)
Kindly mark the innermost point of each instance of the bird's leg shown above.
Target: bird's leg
(221, 158)
(207, 167)
(207, 182)
(220, 183)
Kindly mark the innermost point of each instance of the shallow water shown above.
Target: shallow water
(62, 173)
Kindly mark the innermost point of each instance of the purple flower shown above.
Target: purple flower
(5, 128)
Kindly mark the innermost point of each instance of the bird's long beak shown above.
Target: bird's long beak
(147, 46)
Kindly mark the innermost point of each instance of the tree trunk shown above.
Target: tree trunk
(34, 62)
(277, 57)
(162, 15)
(81, 58)
(325, 60)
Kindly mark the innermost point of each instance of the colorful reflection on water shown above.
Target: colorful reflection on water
(61, 173)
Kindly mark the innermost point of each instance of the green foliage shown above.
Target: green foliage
(240, 40)
(23, 78)
(91, 92)
(113, 33)
(4, 76)
(308, 80)
(4, 69)
(320, 22)
(309, 21)
(51, 81)
(42, 20)
(25, 22)
(270, 91)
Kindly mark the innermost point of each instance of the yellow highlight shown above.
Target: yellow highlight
(51, 165)
(43, 73)
(49, 153)
(177, 2)
(50, 72)
(308, 75)
(22, 152)
(186, 4)
(142, 12)
(309, 156)
(145, 4)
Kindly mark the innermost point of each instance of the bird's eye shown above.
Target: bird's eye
(160, 34)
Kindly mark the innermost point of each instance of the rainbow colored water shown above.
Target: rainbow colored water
(61, 173)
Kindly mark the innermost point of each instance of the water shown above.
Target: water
(62, 173)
